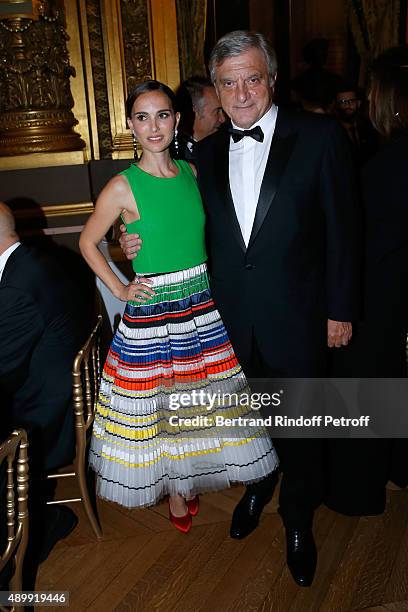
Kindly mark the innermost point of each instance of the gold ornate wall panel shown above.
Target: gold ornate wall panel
(165, 53)
(127, 36)
(98, 76)
(81, 85)
(140, 42)
(115, 77)
(35, 96)
(74, 67)
(136, 41)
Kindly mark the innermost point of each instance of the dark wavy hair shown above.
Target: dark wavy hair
(389, 91)
(146, 87)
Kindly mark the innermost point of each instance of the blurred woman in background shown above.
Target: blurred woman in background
(378, 349)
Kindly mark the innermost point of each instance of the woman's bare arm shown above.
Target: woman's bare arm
(115, 198)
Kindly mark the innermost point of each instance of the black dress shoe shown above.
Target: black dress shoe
(249, 509)
(301, 555)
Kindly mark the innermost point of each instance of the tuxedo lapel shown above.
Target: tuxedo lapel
(282, 145)
(223, 185)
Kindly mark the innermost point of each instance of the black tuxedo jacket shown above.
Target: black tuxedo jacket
(39, 337)
(301, 265)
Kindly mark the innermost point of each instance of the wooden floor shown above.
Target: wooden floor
(145, 564)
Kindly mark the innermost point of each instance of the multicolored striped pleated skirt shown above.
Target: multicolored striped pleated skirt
(170, 372)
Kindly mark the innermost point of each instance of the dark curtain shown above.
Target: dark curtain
(375, 26)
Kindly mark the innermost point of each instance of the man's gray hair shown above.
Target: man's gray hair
(240, 41)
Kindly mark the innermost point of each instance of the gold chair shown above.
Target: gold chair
(14, 452)
(85, 388)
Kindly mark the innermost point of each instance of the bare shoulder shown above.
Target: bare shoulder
(117, 186)
(119, 190)
(120, 193)
(194, 169)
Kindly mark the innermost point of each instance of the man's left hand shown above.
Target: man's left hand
(338, 333)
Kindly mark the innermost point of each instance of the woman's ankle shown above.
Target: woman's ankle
(178, 505)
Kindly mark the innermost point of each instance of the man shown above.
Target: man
(201, 114)
(281, 222)
(363, 138)
(39, 337)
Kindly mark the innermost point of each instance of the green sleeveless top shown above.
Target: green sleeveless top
(171, 222)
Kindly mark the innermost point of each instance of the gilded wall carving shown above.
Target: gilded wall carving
(136, 43)
(35, 95)
(112, 45)
(93, 14)
(136, 48)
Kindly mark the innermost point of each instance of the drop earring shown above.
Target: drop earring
(176, 143)
(135, 155)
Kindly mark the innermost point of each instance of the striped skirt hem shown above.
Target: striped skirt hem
(165, 354)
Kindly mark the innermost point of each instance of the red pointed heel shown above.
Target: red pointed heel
(182, 523)
(193, 505)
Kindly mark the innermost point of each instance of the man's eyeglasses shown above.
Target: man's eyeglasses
(347, 102)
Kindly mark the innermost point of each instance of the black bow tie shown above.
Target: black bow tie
(256, 133)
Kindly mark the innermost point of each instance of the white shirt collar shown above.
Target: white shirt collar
(4, 256)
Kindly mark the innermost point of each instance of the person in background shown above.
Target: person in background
(363, 138)
(171, 338)
(200, 114)
(378, 349)
(40, 334)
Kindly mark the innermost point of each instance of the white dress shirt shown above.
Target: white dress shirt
(4, 256)
(247, 163)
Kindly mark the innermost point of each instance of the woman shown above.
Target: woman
(378, 349)
(171, 339)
